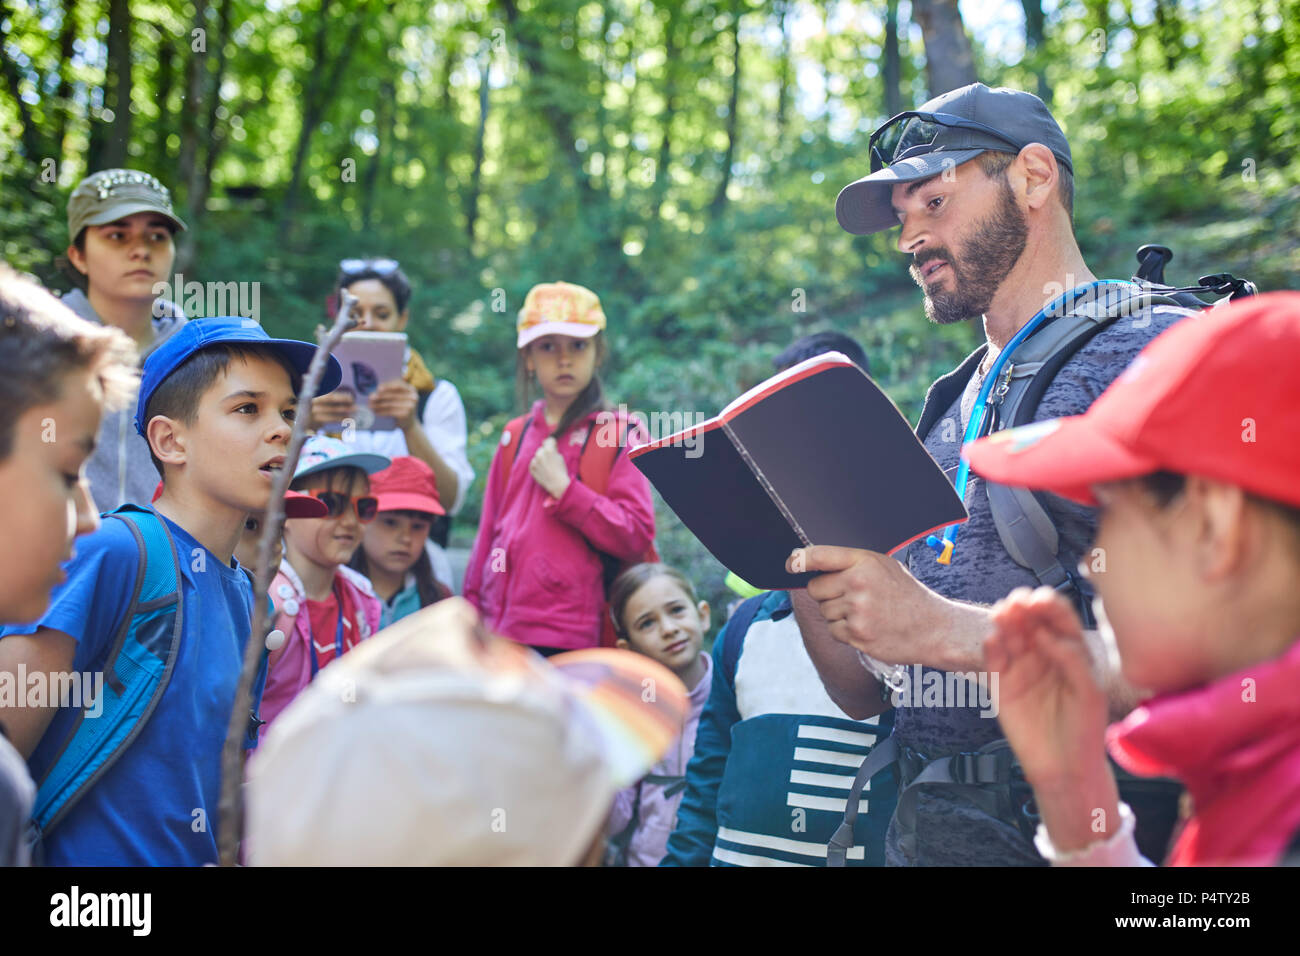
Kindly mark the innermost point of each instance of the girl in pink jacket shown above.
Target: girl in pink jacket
(537, 571)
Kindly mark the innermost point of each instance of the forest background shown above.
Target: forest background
(680, 157)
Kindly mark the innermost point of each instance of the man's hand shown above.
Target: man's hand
(548, 469)
(397, 400)
(873, 603)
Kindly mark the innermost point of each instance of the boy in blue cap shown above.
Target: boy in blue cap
(216, 406)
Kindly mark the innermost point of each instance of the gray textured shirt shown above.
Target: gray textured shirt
(950, 830)
(121, 470)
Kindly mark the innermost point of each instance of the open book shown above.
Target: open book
(815, 455)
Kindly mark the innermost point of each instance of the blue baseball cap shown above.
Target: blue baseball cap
(201, 333)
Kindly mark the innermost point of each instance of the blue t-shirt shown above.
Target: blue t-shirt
(157, 805)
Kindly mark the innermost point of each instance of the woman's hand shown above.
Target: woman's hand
(337, 406)
(397, 400)
(548, 469)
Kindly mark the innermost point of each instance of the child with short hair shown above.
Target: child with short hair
(296, 505)
(120, 230)
(537, 571)
(322, 606)
(656, 614)
(216, 403)
(1192, 455)
(58, 375)
(392, 553)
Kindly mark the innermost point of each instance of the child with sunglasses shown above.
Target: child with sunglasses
(322, 606)
(430, 415)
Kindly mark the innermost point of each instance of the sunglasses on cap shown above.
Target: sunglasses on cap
(383, 267)
(336, 502)
(912, 133)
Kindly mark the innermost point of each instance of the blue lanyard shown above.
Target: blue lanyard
(338, 638)
(947, 544)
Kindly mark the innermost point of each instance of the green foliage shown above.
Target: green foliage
(602, 162)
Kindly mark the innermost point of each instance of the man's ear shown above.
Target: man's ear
(167, 440)
(78, 259)
(1038, 166)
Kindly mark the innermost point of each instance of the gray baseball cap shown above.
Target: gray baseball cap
(111, 194)
(967, 121)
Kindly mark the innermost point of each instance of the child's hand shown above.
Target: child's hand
(1050, 704)
(397, 400)
(548, 469)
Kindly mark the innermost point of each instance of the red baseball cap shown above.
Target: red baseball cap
(296, 504)
(408, 484)
(1217, 395)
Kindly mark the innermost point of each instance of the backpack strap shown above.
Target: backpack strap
(883, 755)
(512, 437)
(1021, 517)
(736, 629)
(137, 670)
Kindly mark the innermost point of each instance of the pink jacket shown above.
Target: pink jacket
(290, 666)
(534, 573)
(1235, 743)
(655, 810)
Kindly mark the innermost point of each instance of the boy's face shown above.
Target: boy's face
(237, 441)
(376, 309)
(395, 540)
(328, 542)
(246, 549)
(127, 257)
(564, 364)
(46, 499)
(661, 622)
(1150, 591)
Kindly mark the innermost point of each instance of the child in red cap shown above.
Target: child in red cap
(393, 553)
(1193, 456)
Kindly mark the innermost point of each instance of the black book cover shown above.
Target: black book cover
(815, 455)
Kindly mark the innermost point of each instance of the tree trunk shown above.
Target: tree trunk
(893, 72)
(1035, 40)
(480, 136)
(33, 146)
(1169, 30)
(63, 92)
(783, 72)
(191, 108)
(720, 197)
(949, 62)
(321, 85)
(117, 83)
(166, 81)
(671, 57)
(557, 114)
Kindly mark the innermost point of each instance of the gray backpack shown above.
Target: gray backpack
(991, 776)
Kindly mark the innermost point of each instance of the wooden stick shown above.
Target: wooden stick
(231, 816)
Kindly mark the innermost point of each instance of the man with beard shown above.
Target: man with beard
(981, 181)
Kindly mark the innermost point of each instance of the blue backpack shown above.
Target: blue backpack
(136, 673)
